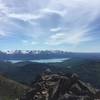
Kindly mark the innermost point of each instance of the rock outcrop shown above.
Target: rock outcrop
(59, 86)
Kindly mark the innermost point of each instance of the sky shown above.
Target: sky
(69, 25)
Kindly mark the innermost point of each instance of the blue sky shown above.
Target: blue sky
(72, 25)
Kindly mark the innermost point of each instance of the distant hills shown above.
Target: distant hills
(44, 54)
(25, 72)
(14, 75)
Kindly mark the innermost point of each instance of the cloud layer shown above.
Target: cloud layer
(50, 22)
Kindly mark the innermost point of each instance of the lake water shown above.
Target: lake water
(42, 60)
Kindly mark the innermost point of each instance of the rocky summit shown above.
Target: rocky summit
(59, 86)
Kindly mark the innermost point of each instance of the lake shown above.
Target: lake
(42, 60)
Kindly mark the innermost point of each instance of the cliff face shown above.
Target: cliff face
(51, 86)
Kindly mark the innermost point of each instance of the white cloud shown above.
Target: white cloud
(25, 16)
(28, 42)
(55, 29)
(2, 33)
(78, 38)
(75, 15)
(50, 10)
(33, 43)
(3, 8)
(25, 41)
(73, 37)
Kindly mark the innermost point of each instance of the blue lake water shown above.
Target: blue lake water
(42, 60)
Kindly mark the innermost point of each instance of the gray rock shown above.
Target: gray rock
(53, 86)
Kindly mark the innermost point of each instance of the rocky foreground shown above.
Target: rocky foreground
(59, 86)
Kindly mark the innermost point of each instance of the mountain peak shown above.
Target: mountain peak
(54, 86)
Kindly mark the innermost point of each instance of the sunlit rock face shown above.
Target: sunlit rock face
(59, 86)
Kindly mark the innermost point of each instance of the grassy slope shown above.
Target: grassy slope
(9, 89)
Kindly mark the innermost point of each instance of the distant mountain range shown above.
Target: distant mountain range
(31, 55)
(32, 51)
(44, 54)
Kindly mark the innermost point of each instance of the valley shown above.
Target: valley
(18, 77)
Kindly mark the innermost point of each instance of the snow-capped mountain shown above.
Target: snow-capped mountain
(32, 51)
(44, 54)
(32, 54)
